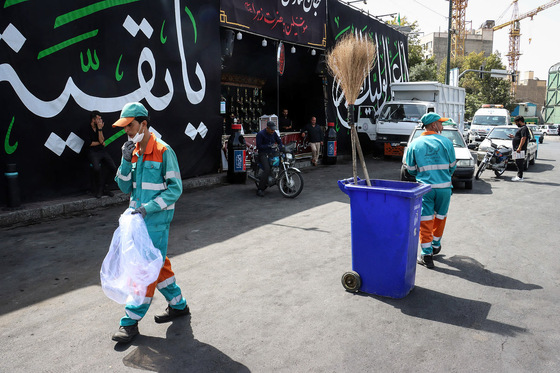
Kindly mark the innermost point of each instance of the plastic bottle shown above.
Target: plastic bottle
(237, 152)
(329, 156)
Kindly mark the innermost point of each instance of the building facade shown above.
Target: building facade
(552, 103)
(530, 89)
(480, 40)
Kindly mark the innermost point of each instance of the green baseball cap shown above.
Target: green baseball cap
(129, 112)
(429, 118)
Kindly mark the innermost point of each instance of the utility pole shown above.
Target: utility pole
(448, 68)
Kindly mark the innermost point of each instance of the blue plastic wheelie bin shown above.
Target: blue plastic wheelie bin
(385, 226)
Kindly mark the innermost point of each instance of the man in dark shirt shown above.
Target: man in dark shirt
(267, 141)
(314, 135)
(285, 122)
(519, 142)
(97, 155)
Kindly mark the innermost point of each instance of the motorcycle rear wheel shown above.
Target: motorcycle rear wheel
(481, 169)
(290, 185)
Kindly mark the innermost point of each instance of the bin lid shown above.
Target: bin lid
(404, 189)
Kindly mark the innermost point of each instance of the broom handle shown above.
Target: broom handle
(353, 141)
(362, 161)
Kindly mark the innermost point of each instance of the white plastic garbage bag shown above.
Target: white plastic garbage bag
(132, 263)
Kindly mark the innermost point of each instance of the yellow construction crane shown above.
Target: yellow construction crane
(515, 33)
(459, 33)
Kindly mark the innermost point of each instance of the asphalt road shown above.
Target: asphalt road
(262, 279)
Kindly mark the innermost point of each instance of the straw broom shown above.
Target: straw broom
(350, 61)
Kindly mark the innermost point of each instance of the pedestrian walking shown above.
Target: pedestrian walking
(431, 159)
(314, 135)
(519, 143)
(149, 171)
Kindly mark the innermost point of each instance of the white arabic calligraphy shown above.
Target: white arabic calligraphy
(49, 109)
(307, 4)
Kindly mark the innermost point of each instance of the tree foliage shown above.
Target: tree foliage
(479, 90)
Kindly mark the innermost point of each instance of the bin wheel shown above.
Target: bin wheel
(351, 281)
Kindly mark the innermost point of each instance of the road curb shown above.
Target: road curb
(37, 212)
(40, 211)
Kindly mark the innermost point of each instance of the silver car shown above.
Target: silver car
(537, 132)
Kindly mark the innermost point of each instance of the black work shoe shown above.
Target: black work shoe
(426, 260)
(170, 314)
(260, 193)
(436, 249)
(126, 333)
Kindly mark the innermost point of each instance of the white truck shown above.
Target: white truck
(395, 119)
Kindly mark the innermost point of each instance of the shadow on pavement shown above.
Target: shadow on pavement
(540, 167)
(471, 270)
(178, 352)
(480, 186)
(439, 307)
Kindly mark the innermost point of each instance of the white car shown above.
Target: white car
(465, 162)
(500, 136)
(550, 129)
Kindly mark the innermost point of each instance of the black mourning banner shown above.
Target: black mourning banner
(391, 65)
(296, 21)
(59, 60)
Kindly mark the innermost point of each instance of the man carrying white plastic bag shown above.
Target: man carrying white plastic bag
(150, 173)
(132, 263)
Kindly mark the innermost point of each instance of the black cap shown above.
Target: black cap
(271, 125)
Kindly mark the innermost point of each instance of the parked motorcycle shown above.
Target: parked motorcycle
(496, 159)
(282, 170)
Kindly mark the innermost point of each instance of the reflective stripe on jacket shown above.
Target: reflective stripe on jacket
(431, 159)
(153, 181)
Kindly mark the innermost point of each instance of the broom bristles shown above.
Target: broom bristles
(350, 61)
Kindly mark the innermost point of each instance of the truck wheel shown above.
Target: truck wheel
(351, 281)
(532, 161)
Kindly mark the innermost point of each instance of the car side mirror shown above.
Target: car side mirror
(533, 140)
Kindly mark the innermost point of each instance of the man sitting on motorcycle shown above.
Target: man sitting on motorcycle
(268, 142)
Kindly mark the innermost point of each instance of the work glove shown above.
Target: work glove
(140, 210)
(127, 149)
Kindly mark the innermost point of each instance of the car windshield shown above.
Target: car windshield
(402, 113)
(534, 128)
(452, 135)
(502, 133)
(489, 120)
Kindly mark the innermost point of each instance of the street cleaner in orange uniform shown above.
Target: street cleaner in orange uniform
(150, 173)
(431, 159)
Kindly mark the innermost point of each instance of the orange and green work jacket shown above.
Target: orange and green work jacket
(153, 180)
(431, 159)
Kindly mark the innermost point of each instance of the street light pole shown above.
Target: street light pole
(448, 68)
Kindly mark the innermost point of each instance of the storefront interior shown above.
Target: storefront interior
(251, 86)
